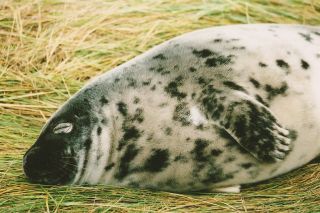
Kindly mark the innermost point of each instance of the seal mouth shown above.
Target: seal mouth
(49, 168)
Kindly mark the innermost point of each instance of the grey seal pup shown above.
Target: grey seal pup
(207, 110)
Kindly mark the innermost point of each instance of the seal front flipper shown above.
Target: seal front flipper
(250, 123)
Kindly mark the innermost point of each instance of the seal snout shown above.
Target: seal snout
(46, 167)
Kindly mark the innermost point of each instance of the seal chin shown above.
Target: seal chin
(49, 168)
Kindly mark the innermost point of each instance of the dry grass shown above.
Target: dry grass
(50, 48)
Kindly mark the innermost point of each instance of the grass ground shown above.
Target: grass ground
(50, 48)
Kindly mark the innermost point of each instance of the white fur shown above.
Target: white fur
(81, 156)
(196, 117)
(100, 147)
(92, 156)
(230, 189)
(97, 166)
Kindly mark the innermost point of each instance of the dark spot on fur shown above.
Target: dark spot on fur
(153, 87)
(123, 108)
(192, 69)
(210, 102)
(205, 167)
(222, 98)
(215, 175)
(158, 161)
(199, 150)
(136, 100)
(130, 133)
(103, 100)
(173, 88)
(260, 99)
(304, 64)
(132, 82)
(168, 131)
(98, 158)
(202, 53)
(262, 64)
(108, 167)
(216, 152)
(130, 153)
(273, 91)
(234, 86)
(181, 158)
(218, 60)
(99, 130)
(307, 37)
(204, 81)
(293, 134)
(255, 83)
(246, 165)
(138, 115)
(229, 159)
(218, 40)
(193, 95)
(239, 48)
(182, 114)
(162, 105)
(200, 127)
(282, 64)
(159, 56)
(87, 144)
(160, 69)
(146, 83)
(164, 72)
(150, 137)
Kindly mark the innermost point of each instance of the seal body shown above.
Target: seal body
(214, 108)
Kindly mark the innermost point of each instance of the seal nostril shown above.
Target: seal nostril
(31, 151)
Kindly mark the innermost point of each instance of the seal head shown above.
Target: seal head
(54, 156)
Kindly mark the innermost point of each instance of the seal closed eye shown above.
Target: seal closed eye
(209, 110)
(63, 128)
